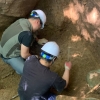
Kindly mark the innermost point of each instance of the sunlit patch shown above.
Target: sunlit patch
(99, 29)
(73, 10)
(93, 16)
(96, 34)
(75, 88)
(82, 93)
(75, 38)
(75, 55)
(86, 35)
(97, 24)
(74, 98)
(93, 75)
(84, 96)
(81, 15)
(60, 96)
(78, 6)
(71, 13)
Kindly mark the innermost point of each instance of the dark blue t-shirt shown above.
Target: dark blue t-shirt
(25, 38)
(38, 79)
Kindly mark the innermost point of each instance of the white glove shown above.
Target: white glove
(68, 65)
(42, 41)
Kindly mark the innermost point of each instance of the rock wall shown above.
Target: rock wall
(10, 10)
(71, 23)
(83, 14)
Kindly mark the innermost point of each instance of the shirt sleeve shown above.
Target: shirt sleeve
(25, 38)
(59, 84)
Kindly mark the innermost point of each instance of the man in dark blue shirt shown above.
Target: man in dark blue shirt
(37, 78)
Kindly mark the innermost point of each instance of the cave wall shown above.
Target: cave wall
(10, 10)
(69, 22)
(83, 14)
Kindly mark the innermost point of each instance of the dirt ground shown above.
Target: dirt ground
(83, 54)
(80, 56)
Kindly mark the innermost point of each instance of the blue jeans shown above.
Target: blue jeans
(16, 63)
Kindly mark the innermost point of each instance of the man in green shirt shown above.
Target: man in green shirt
(17, 39)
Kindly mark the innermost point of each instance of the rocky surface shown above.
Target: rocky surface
(10, 10)
(72, 24)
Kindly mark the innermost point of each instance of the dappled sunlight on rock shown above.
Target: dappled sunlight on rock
(75, 88)
(73, 10)
(75, 38)
(65, 97)
(71, 13)
(92, 75)
(75, 55)
(79, 54)
(82, 94)
(98, 28)
(78, 6)
(86, 35)
(96, 34)
(85, 18)
(93, 16)
(74, 98)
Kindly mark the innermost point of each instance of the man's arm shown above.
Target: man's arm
(40, 41)
(24, 51)
(66, 72)
(25, 39)
(66, 77)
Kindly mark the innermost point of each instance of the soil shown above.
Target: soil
(74, 46)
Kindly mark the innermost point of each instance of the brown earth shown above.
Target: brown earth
(81, 57)
(81, 51)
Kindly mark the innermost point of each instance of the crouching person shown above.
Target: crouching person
(37, 79)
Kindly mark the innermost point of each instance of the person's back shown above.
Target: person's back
(37, 79)
(10, 45)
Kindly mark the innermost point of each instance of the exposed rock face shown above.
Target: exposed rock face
(10, 10)
(84, 14)
(71, 23)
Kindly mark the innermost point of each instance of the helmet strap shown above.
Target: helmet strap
(54, 59)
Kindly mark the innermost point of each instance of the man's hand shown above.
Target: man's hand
(68, 65)
(42, 41)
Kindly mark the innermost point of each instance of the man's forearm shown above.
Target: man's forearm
(66, 72)
(26, 55)
(66, 76)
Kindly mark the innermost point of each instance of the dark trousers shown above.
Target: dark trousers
(47, 96)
